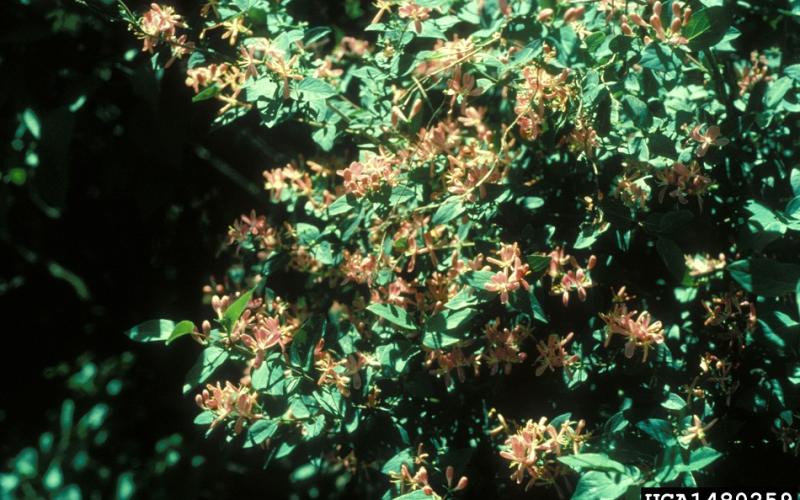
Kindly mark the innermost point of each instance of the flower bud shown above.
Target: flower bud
(462, 483)
(676, 9)
(427, 490)
(626, 30)
(675, 26)
(637, 20)
(687, 15)
(544, 15)
(449, 473)
(657, 9)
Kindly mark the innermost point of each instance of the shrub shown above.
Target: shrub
(558, 238)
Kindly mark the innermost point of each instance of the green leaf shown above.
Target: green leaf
(674, 402)
(441, 330)
(707, 27)
(207, 93)
(701, 458)
(591, 461)
(235, 310)
(32, 123)
(792, 209)
(536, 307)
(343, 205)
(395, 315)
(449, 210)
(596, 484)
(477, 279)
(794, 181)
(393, 464)
(589, 234)
(315, 89)
(307, 234)
(269, 377)
(765, 277)
(210, 359)
(777, 91)
(538, 263)
(672, 256)
(658, 58)
(414, 495)
(325, 137)
(616, 423)
(156, 330)
(658, 429)
(185, 327)
(636, 110)
(793, 72)
(260, 431)
(463, 299)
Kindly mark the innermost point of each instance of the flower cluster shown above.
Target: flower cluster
(364, 177)
(512, 273)
(682, 181)
(157, 25)
(541, 92)
(640, 332)
(503, 346)
(533, 448)
(552, 354)
(654, 27)
(229, 401)
(568, 276)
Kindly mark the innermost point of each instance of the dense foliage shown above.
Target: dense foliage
(552, 239)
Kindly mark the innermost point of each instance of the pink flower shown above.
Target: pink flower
(416, 13)
(712, 137)
(264, 336)
(500, 283)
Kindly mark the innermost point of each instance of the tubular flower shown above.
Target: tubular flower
(362, 178)
(533, 449)
(640, 332)
(552, 354)
(565, 280)
(159, 24)
(503, 346)
(696, 431)
(512, 273)
(416, 13)
(266, 334)
(230, 401)
(711, 137)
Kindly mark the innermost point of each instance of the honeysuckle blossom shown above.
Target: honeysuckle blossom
(533, 449)
(639, 332)
(756, 72)
(512, 273)
(266, 334)
(711, 137)
(362, 178)
(654, 26)
(682, 181)
(451, 359)
(416, 13)
(503, 346)
(230, 401)
(696, 431)
(564, 280)
(552, 354)
(540, 92)
(158, 24)
(699, 265)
